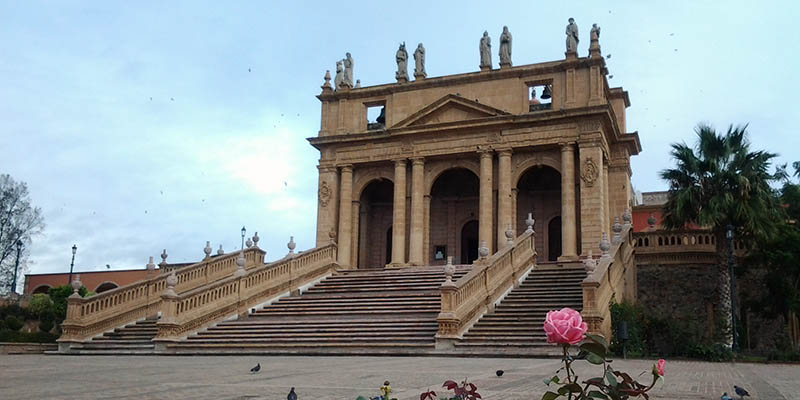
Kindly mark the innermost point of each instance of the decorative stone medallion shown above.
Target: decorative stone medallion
(589, 172)
(324, 194)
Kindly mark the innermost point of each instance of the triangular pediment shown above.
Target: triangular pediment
(450, 108)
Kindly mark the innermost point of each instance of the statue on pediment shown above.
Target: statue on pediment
(486, 51)
(339, 77)
(419, 61)
(402, 62)
(572, 36)
(505, 47)
(348, 70)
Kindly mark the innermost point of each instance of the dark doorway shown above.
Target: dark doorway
(539, 193)
(469, 242)
(374, 218)
(554, 239)
(454, 198)
(388, 246)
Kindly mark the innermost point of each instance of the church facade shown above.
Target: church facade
(454, 162)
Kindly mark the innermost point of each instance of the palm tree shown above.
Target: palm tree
(721, 182)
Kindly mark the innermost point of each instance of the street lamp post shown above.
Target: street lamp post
(16, 266)
(729, 236)
(72, 263)
(243, 232)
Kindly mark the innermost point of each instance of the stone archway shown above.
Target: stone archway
(105, 286)
(374, 218)
(539, 192)
(469, 242)
(453, 199)
(43, 289)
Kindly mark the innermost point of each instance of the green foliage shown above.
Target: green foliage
(40, 303)
(720, 182)
(675, 335)
(12, 323)
(27, 337)
(59, 297)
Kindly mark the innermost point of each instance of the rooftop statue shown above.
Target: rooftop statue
(505, 47)
(594, 34)
(339, 78)
(572, 36)
(402, 62)
(419, 61)
(348, 70)
(486, 51)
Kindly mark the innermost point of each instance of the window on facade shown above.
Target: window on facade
(540, 97)
(376, 116)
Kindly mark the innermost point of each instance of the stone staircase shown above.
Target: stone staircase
(515, 326)
(131, 339)
(390, 311)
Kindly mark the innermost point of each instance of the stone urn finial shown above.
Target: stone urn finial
(529, 222)
(248, 243)
(651, 221)
(207, 249)
(76, 285)
(150, 266)
(617, 228)
(626, 216)
(483, 250)
(589, 263)
(291, 245)
(240, 271)
(605, 246)
(163, 258)
(256, 239)
(327, 84)
(509, 235)
(172, 281)
(220, 251)
(449, 269)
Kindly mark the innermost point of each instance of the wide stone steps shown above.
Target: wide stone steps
(516, 323)
(389, 311)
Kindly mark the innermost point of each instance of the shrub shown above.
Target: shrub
(27, 337)
(710, 352)
(40, 303)
(13, 324)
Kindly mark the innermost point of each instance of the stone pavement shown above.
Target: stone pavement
(227, 377)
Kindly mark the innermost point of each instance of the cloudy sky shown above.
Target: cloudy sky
(147, 125)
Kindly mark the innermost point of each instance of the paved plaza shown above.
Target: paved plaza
(228, 377)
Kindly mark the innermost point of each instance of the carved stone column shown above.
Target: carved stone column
(569, 251)
(356, 239)
(606, 201)
(327, 204)
(485, 207)
(344, 238)
(591, 192)
(504, 209)
(417, 212)
(399, 214)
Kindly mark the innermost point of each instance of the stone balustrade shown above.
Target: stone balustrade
(680, 247)
(613, 279)
(195, 309)
(89, 316)
(467, 299)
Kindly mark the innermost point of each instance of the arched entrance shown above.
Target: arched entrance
(374, 219)
(105, 286)
(539, 192)
(554, 239)
(454, 199)
(469, 242)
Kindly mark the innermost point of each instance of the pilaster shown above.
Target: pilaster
(569, 250)
(592, 208)
(485, 207)
(327, 203)
(344, 238)
(399, 214)
(417, 211)
(504, 209)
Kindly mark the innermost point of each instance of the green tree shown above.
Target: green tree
(718, 182)
(19, 222)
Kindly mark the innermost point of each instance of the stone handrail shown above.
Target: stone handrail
(475, 293)
(89, 316)
(187, 312)
(613, 279)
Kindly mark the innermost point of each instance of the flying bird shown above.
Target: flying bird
(248, 70)
(256, 368)
(292, 395)
(608, 56)
(740, 391)
(108, 266)
(172, 99)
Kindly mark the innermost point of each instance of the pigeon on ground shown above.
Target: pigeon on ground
(256, 368)
(292, 395)
(725, 396)
(499, 372)
(740, 391)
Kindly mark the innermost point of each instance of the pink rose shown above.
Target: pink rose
(564, 326)
(660, 366)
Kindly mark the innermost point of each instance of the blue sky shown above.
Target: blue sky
(147, 125)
